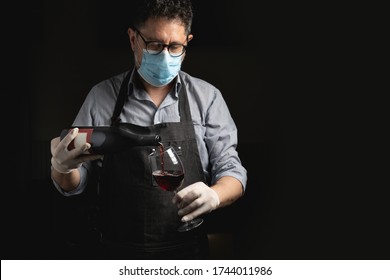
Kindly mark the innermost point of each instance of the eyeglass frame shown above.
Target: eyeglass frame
(163, 45)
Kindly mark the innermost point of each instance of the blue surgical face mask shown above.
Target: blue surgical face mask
(159, 69)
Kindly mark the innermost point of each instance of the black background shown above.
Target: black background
(309, 135)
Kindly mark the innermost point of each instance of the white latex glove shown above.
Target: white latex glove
(65, 161)
(195, 200)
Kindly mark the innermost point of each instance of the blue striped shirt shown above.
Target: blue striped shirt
(216, 132)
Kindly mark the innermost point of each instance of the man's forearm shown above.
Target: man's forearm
(68, 182)
(229, 189)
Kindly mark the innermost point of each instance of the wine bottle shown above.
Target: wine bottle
(111, 139)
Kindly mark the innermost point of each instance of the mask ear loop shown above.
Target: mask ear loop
(137, 64)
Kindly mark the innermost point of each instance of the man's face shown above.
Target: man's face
(161, 30)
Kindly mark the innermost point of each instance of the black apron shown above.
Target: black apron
(138, 219)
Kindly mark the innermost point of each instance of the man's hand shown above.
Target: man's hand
(195, 200)
(65, 161)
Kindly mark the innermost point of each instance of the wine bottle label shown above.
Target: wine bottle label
(82, 137)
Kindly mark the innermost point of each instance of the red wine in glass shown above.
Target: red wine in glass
(168, 180)
(168, 172)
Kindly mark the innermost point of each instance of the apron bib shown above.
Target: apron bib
(137, 218)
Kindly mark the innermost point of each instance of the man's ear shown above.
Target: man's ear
(132, 37)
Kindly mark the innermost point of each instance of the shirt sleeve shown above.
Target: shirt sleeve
(84, 117)
(80, 188)
(96, 110)
(221, 140)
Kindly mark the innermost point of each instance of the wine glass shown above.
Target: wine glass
(168, 172)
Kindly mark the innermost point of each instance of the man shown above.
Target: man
(137, 219)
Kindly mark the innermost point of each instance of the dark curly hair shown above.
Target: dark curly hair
(171, 9)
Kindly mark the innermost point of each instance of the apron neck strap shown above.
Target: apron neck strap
(184, 106)
(120, 102)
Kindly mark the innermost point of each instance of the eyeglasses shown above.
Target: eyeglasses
(156, 47)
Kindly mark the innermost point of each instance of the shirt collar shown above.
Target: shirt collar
(135, 86)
